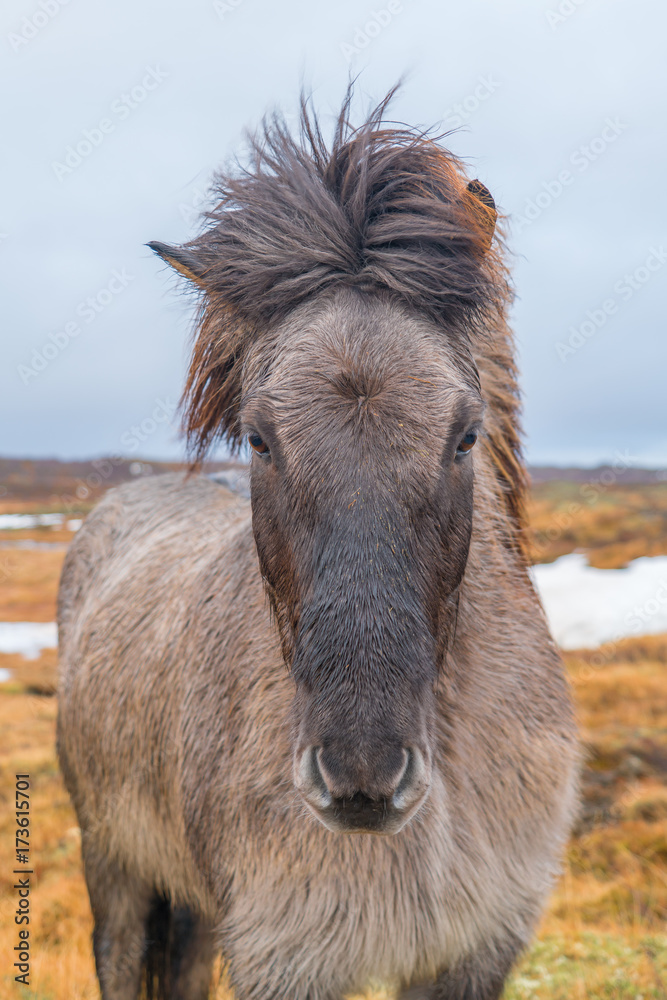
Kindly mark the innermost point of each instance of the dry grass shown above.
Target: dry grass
(54, 505)
(35, 677)
(612, 524)
(29, 584)
(61, 964)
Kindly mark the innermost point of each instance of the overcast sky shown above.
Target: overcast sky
(115, 113)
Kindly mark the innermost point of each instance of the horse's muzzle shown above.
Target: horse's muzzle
(364, 809)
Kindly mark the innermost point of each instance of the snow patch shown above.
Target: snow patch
(18, 521)
(29, 638)
(586, 606)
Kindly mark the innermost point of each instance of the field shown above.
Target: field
(604, 934)
(612, 523)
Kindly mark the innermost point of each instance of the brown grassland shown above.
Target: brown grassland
(613, 524)
(604, 934)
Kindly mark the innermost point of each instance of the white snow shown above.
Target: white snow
(586, 606)
(17, 521)
(9, 522)
(29, 638)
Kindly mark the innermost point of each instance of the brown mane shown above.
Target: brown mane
(382, 208)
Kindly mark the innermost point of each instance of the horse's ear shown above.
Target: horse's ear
(182, 260)
(487, 213)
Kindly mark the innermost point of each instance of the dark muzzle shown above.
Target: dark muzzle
(364, 799)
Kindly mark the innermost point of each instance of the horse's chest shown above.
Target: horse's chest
(353, 910)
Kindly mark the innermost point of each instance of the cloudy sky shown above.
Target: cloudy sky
(115, 113)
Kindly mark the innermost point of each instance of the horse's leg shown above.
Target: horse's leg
(120, 906)
(191, 955)
(480, 977)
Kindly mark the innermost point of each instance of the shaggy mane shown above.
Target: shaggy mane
(381, 208)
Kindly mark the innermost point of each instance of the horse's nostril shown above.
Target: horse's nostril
(350, 800)
(404, 780)
(310, 780)
(413, 781)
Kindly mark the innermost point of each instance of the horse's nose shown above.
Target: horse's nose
(376, 804)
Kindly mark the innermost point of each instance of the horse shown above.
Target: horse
(324, 733)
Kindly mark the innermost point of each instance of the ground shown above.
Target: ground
(613, 522)
(604, 934)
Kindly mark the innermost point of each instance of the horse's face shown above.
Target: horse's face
(362, 422)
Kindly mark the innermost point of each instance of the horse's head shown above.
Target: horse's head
(362, 425)
(343, 291)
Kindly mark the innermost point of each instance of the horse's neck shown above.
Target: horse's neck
(499, 614)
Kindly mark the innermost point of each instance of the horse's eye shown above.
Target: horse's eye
(258, 444)
(467, 443)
